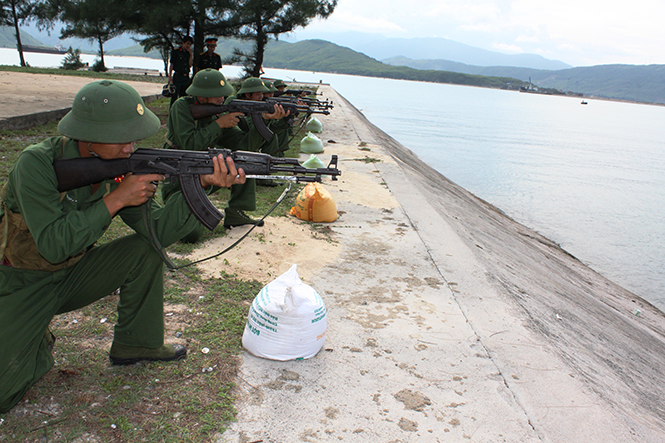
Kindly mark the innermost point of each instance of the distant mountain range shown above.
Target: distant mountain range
(8, 38)
(482, 68)
(642, 83)
(380, 47)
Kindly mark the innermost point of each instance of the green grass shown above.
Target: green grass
(84, 398)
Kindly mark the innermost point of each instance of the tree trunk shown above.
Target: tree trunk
(260, 46)
(166, 53)
(101, 52)
(199, 39)
(19, 45)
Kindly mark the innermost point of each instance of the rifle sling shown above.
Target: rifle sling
(146, 212)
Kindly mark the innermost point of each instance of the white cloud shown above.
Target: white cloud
(575, 31)
(342, 21)
(503, 47)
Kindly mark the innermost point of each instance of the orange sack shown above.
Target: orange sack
(315, 204)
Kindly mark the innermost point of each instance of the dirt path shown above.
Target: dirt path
(22, 93)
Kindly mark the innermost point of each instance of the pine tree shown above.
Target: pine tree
(271, 18)
(15, 12)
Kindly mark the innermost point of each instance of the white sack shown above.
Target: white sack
(287, 320)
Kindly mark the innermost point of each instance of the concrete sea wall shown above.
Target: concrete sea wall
(449, 321)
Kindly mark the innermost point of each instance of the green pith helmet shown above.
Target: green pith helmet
(209, 83)
(270, 86)
(278, 83)
(252, 84)
(108, 111)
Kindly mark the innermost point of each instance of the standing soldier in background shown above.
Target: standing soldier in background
(209, 59)
(182, 59)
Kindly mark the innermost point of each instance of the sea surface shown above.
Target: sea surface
(590, 177)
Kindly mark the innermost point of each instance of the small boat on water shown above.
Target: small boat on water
(584, 102)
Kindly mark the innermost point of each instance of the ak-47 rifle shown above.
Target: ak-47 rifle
(312, 103)
(187, 166)
(253, 108)
(302, 92)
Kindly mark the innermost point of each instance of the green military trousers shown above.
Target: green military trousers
(30, 299)
(243, 197)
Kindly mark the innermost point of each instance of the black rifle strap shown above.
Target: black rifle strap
(302, 125)
(146, 211)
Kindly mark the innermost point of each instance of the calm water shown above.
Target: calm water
(589, 177)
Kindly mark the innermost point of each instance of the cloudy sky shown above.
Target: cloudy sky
(577, 32)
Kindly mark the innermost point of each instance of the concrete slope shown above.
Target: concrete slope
(447, 321)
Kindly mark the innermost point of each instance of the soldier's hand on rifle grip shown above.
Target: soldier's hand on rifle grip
(133, 190)
(229, 120)
(225, 175)
(278, 114)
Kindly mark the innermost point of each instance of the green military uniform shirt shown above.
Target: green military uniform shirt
(278, 127)
(64, 225)
(184, 132)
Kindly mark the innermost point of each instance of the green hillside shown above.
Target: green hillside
(8, 38)
(323, 56)
(225, 48)
(624, 82)
(644, 83)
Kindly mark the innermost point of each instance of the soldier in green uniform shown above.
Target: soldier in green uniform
(280, 85)
(283, 135)
(209, 59)
(180, 63)
(49, 263)
(254, 88)
(209, 86)
(271, 89)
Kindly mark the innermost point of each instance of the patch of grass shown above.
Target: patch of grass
(84, 397)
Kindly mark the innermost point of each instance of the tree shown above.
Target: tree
(72, 60)
(270, 18)
(94, 20)
(13, 13)
(162, 24)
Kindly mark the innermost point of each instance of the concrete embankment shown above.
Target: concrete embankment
(448, 321)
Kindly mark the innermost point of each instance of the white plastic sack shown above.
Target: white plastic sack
(311, 144)
(314, 125)
(287, 320)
